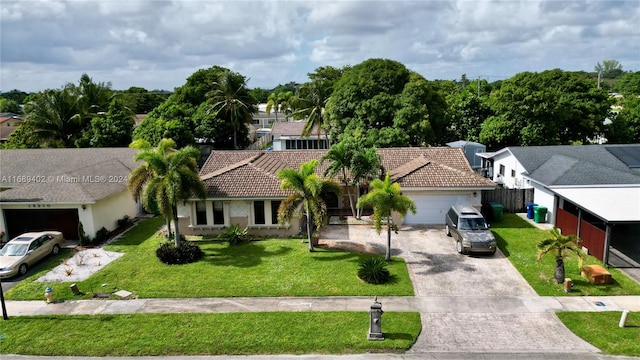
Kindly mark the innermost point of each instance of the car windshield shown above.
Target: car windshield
(473, 224)
(14, 249)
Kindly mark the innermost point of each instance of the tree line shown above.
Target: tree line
(377, 103)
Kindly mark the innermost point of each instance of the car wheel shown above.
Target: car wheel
(55, 250)
(459, 247)
(446, 230)
(22, 269)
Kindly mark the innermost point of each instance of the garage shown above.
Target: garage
(24, 220)
(432, 208)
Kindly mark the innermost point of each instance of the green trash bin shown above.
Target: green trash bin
(496, 211)
(539, 214)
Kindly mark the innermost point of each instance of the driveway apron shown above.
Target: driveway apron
(487, 311)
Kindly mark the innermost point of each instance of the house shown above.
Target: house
(8, 124)
(243, 188)
(471, 150)
(287, 136)
(592, 191)
(57, 189)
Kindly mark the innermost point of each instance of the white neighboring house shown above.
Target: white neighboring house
(287, 136)
(56, 189)
(592, 191)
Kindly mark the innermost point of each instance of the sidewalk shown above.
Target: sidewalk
(425, 305)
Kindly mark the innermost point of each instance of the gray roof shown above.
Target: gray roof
(575, 165)
(64, 175)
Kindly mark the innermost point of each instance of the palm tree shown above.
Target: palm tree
(559, 245)
(273, 103)
(365, 166)
(385, 197)
(166, 177)
(232, 101)
(307, 190)
(341, 156)
(53, 118)
(310, 103)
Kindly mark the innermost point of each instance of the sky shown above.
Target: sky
(158, 44)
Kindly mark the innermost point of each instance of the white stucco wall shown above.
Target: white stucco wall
(106, 212)
(510, 163)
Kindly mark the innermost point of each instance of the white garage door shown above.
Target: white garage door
(433, 208)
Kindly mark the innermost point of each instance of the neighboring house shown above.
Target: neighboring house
(471, 150)
(56, 189)
(286, 136)
(243, 188)
(592, 191)
(263, 120)
(8, 124)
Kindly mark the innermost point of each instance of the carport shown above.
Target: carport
(607, 220)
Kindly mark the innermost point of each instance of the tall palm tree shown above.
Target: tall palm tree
(166, 177)
(559, 245)
(310, 103)
(307, 189)
(273, 103)
(385, 197)
(53, 117)
(366, 165)
(340, 156)
(280, 102)
(232, 101)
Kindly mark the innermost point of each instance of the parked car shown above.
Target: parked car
(469, 229)
(27, 249)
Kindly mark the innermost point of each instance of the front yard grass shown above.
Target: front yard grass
(517, 239)
(259, 268)
(206, 334)
(601, 330)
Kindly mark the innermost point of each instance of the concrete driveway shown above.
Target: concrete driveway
(489, 306)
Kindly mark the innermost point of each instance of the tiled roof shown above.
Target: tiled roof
(293, 128)
(64, 175)
(575, 165)
(246, 174)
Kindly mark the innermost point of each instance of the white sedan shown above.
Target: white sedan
(25, 250)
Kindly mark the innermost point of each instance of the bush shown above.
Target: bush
(234, 235)
(124, 222)
(186, 253)
(374, 270)
(102, 235)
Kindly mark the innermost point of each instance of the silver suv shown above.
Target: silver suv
(470, 230)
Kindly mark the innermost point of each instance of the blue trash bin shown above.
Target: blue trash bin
(530, 206)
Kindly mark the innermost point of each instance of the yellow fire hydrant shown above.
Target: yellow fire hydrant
(48, 295)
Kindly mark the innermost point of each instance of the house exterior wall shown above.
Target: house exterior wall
(511, 167)
(546, 198)
(106, 212)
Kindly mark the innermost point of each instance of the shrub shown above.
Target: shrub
(374, 270)
(124, 222)
(101, 236)
(234, 235)
(186, 253)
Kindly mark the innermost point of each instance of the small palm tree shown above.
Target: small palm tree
(340, 157)
(307, 191)
(559, 245)
(365, 166)
(385, 197)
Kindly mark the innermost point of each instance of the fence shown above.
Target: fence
(512, 200)
(261, 143)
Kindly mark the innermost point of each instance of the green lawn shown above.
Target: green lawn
(517, 239)
(601, 330)
(259, 268)
(206, 334)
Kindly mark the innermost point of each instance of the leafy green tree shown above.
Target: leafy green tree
(385, 104)
(609, 69)
(21, 138)
(625, 126)
(307, 190)
(53, 118)
(261, 95)
(115, 129)
(559, 246)
(340, 157)
(167, 177)
(231, 101)
(15, 95)
(629, 84)
(141, 101)
(171, 120)
(548, 108)
(467, 112)
(386, 197)
(9, 106)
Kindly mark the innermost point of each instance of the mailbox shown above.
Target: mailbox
(375, 321)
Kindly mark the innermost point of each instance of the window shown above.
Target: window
(201, 213)
(275, 204)
(218, 213)
(258, 212)
(513, 173)
(501, 169)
